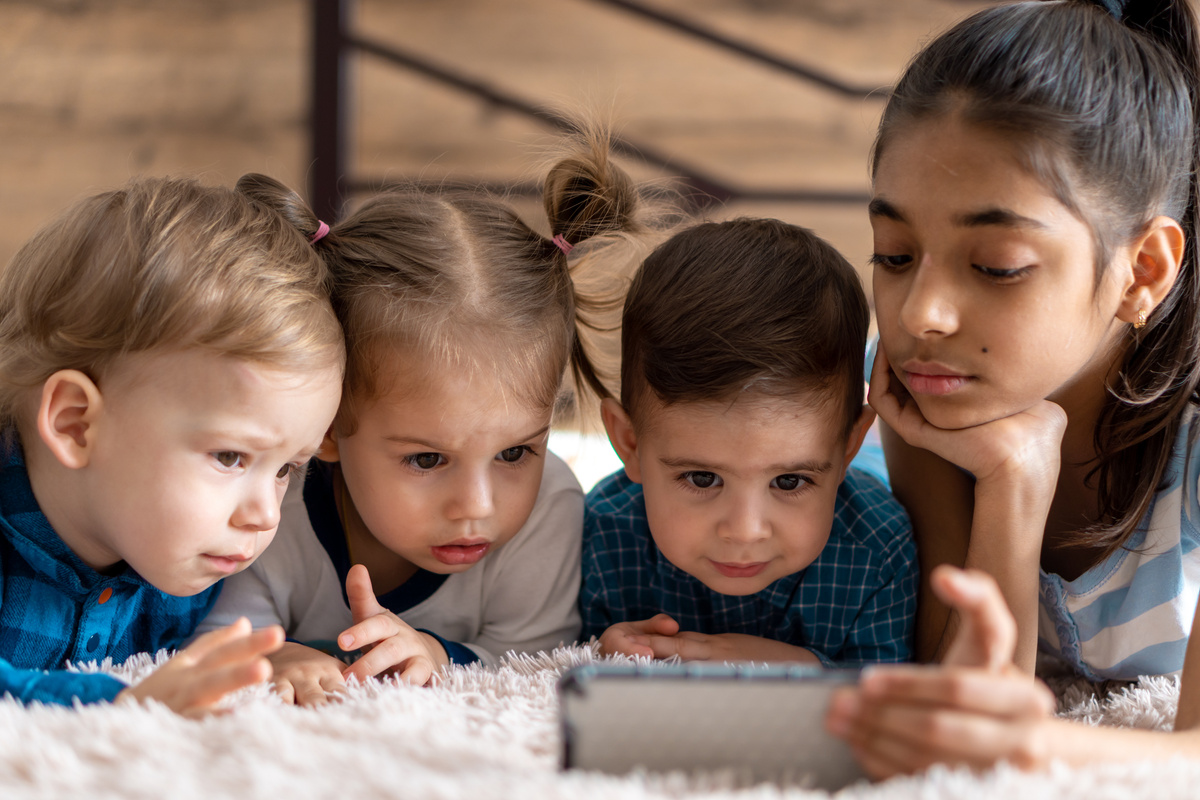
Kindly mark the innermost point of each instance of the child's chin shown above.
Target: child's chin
(734, 587)
(954, 417)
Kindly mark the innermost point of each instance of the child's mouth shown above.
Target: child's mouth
(749, 570)
(457, 554)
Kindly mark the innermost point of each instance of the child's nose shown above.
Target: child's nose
(473, 498)
(745, 524)
(929, 308)
(258, 509)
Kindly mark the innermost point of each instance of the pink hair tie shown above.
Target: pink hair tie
(563, 244)
(322, 229)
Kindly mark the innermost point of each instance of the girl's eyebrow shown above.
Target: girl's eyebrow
(539, 433)
(878, 207)
(1001, 217)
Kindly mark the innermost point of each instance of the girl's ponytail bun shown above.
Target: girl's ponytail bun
(587, 195)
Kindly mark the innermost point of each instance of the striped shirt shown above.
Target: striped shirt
(1131, 614)
(853, 605)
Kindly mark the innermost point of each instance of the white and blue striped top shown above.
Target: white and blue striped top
(1131, 614)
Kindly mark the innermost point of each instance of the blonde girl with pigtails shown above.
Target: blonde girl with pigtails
(437, 528)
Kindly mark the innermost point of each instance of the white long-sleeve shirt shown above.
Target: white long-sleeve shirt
(521, 596)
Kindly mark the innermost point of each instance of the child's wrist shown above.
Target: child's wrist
(437, 651)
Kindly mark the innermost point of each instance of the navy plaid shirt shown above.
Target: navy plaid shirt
(853, 605)
(55, 609)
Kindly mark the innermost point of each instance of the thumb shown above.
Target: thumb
(363, 603)
(987, 632)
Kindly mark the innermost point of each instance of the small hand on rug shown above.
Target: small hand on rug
(193, 681)
(975, 709)
(389, 644)
(306, 676)
(660, 637)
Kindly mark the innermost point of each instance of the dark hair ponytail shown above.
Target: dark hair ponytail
(1140, 422)
(1102, 97)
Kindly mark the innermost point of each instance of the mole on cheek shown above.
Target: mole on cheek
(985, 349)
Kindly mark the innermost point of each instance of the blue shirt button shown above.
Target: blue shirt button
(93, 642)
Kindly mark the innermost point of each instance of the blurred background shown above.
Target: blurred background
(765, 107)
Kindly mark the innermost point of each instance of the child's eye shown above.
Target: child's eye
(701, 480)
(425, 461)
(889, 262)
(514, 454)
(789, 482)
(228, 458)
(1001, 275)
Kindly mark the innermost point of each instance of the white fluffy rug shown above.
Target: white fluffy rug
(479, 734)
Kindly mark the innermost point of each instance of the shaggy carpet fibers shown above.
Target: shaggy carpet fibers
(478, 734)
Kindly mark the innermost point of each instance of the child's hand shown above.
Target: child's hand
(217, 663)
(389, 642)
(694, 646)
(975, 709)
(305, 676)
(660, 637)
(1027, 444)
(632, 638)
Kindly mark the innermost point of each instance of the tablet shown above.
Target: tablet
(761, 723)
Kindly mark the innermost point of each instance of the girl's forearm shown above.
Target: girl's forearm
(1078, 744)
(1006, 541)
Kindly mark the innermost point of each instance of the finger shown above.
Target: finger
(309, 692)
(361, 595)
(968, 690)
(211, 641)
(286, 691)
(842, 719)
(916, 737)
(417, 672)
(881, 393)
(248, 647)
(661, 624)
(333, 683)
(987, 633)
(208, 686)
(668, 646)
(371, 630)
(630, 645)
(383, 657)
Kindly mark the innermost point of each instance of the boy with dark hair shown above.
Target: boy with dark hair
(738, 528)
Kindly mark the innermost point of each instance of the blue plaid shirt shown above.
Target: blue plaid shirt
(55, 609)
(853, 605)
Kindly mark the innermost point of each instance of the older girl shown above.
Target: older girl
(1036, 287)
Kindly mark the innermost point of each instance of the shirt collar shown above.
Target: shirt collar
(31, 535)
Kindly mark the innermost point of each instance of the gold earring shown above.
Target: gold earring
(1141, 320)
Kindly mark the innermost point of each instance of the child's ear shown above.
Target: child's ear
(67, 415)
(623, 438)
(857, 434)
(329, 446)
(1157, 257)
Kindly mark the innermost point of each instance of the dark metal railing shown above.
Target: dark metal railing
(333, 39)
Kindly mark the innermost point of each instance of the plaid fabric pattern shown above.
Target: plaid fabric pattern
(853, 605)
(55, 609)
